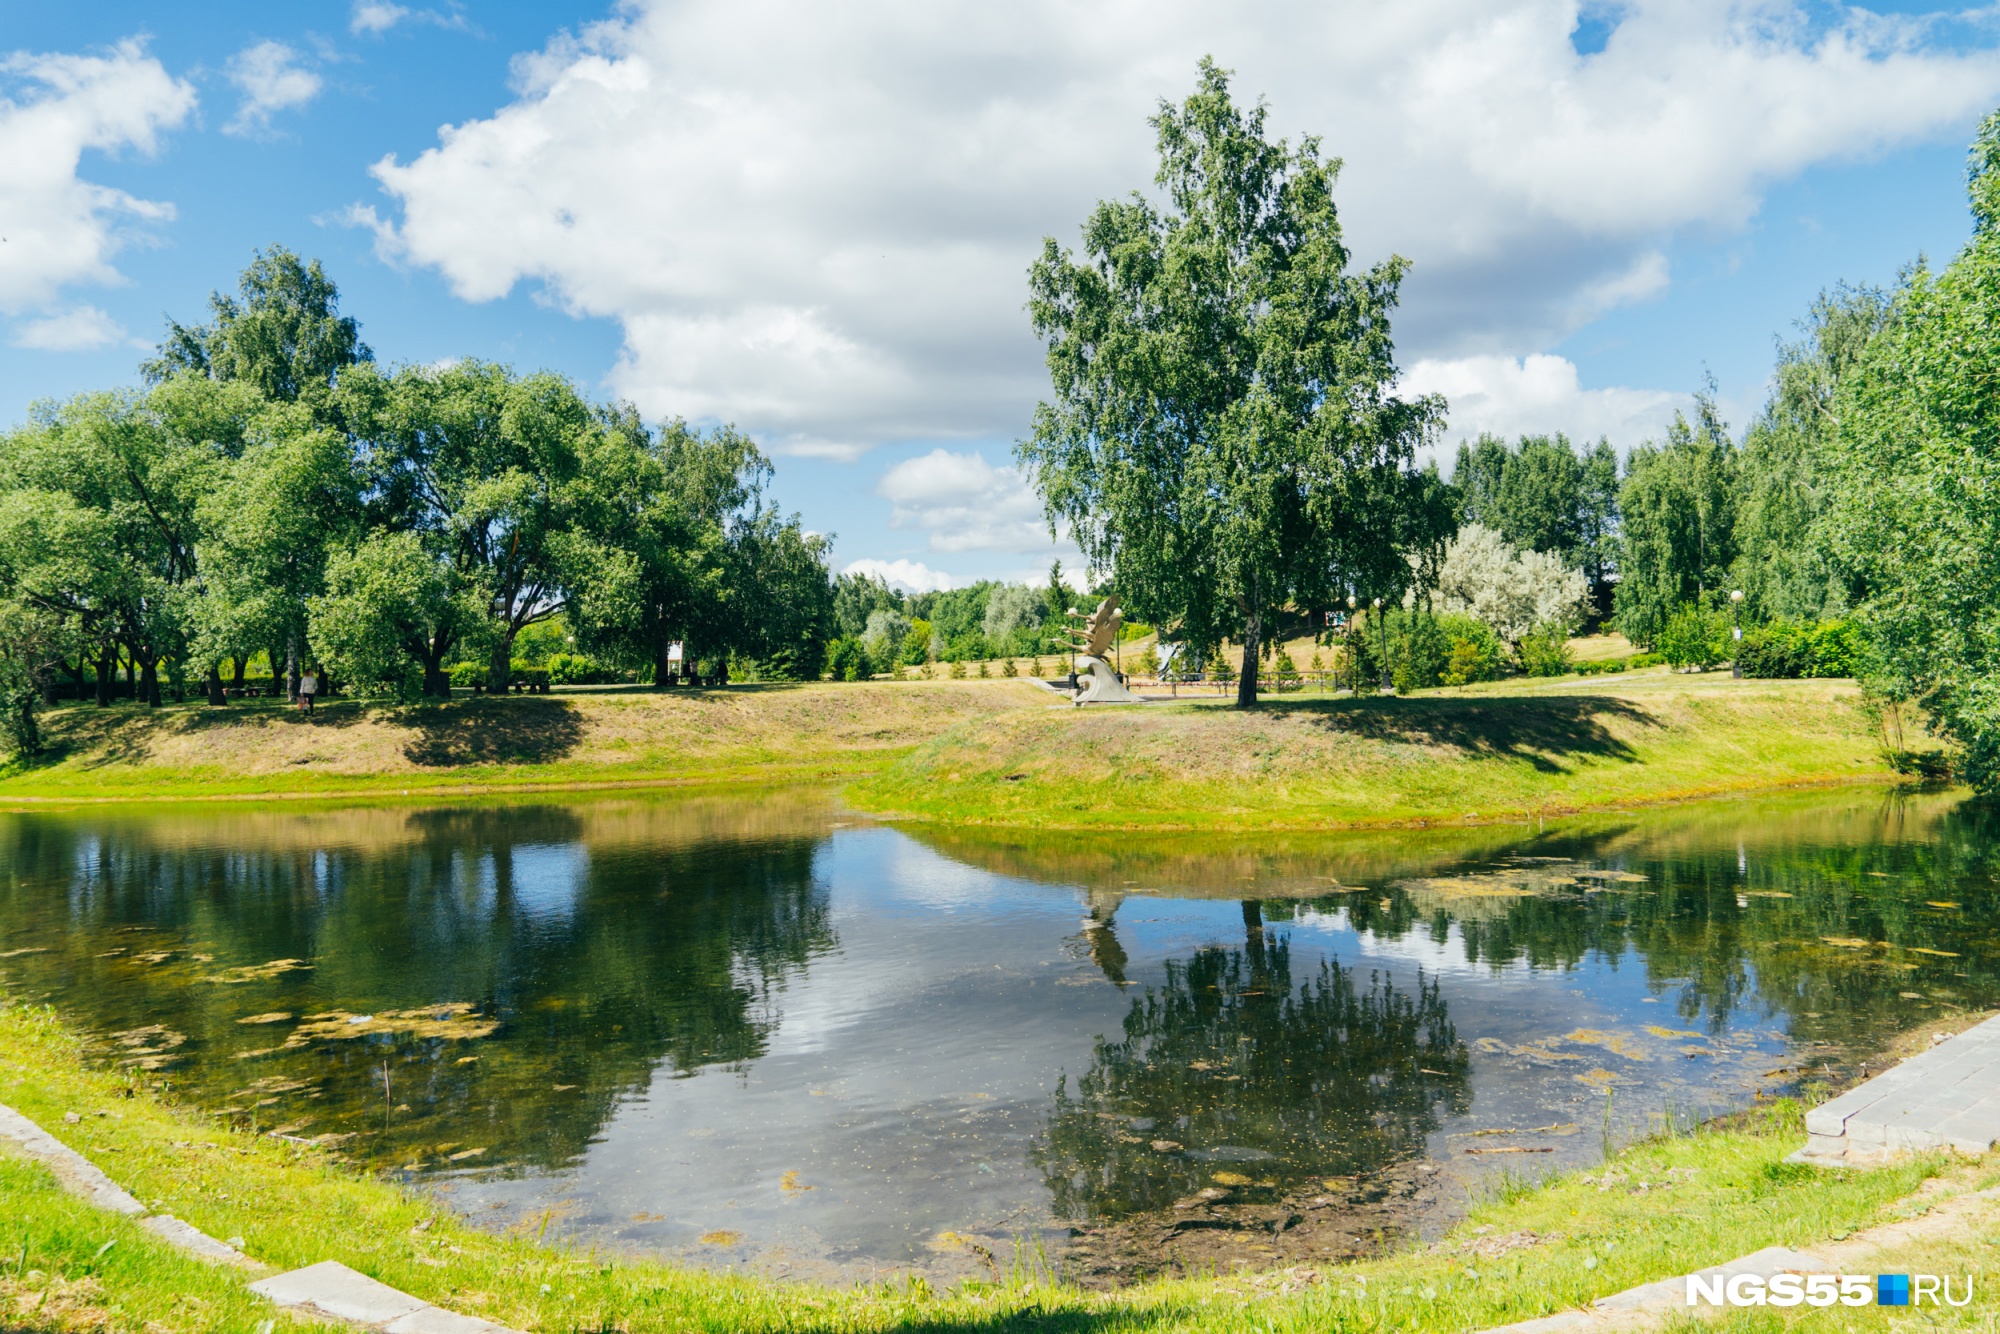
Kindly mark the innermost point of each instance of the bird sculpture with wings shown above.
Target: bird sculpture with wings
(1097, 681)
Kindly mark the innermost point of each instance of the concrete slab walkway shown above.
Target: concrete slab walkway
(327, 1289)
(1944, 1098)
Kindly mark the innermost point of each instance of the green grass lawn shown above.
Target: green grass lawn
(1503, 752)
(1661, 1207)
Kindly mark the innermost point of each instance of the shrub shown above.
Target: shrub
(1694, 638)
(1285, 674)
(1474, 656)
(1223, 671)
(846, 659)
(1792, 648)
(1836, 648)
(465, 675)
(1641, 661)
(1544, 651)
(1602, 667)
(577, 669)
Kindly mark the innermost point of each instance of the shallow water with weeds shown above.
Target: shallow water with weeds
(756, 1033)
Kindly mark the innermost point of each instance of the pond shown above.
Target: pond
(758, 1032)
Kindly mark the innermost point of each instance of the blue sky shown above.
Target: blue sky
(814, 221)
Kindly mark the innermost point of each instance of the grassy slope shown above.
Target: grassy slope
(769, 733)
(1713, 1195)
(1302, 762)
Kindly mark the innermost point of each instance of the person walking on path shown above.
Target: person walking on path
(308, 687)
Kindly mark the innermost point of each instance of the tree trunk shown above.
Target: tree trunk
(215, 695)
(663, 667)
(500, 667)
(104, 670)
(1253, 644)
(436, 684)
(149, 682)
(237, 666)
(292, 669)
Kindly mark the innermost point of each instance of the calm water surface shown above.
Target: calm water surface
(752, 1032)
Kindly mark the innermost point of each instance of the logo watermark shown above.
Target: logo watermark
(1828, 1290)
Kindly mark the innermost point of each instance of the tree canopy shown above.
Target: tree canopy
(1223, 438)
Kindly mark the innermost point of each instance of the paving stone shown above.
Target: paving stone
(331, 1288)
(437, 1320)
(1770, 1261)
(1946, 1097)
(193, 1239)
(77, 1173)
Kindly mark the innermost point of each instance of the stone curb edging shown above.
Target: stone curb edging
(1657, 1296)
(327, 1289)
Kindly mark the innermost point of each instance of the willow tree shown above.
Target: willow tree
(1223, 437)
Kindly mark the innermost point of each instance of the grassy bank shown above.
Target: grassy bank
(746, 733)
(1660, 1208)
(1506, 752)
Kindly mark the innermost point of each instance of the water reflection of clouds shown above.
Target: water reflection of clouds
(547, 879)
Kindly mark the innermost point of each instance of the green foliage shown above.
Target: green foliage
(1602, 667)
(1678, 510)
(391, 615)
(1475, 653)
(1693, 637)
(1543, 494)
(1544, 651)
(1794, 648)
(578, 669)
(1285, 672)
(847, 659)
(858, 597)
(1223, 438)
(1785, 568)
(282, 334)
(1915, 463)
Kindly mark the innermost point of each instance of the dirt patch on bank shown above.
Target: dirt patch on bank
(1221, 1230)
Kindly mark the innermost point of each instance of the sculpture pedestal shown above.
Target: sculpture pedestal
(1099, 684)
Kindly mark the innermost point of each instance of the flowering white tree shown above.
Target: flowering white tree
(1511, 591)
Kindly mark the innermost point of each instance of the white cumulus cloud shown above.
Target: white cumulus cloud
(271, 80)
(814, 220)
(909, 575)
(1540, 394)
(77, 330)
(372, 18)
(60, 229)
(965, 503)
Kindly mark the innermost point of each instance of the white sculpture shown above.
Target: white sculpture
(1102, 685)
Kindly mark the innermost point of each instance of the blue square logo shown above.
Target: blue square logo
(1892, 1289)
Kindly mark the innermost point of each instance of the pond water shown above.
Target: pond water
(759, 1033)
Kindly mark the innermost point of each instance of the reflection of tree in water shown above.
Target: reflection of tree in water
(1245, 1071)
(602, 964)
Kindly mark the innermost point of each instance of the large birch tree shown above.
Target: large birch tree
(1224, 438)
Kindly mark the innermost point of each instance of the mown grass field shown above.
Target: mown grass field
(761, 734)
(1658, 1208)
(1504, 751)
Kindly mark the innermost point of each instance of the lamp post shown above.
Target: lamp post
(1736, 633)
(1353, 680)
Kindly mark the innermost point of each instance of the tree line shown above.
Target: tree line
(1225, 441)
(271, 491)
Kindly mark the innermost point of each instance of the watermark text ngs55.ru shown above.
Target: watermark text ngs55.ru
(1829, 1290)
